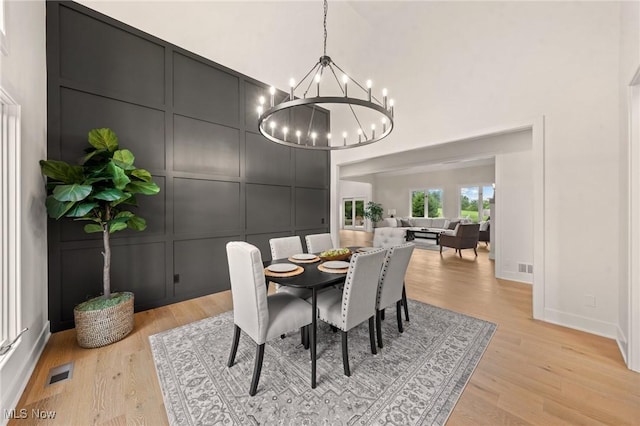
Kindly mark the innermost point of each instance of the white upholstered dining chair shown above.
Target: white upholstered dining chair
(282, 248)
(260, 316)
(391, 286)
(356, 303)
(317, 243)
(389, 237)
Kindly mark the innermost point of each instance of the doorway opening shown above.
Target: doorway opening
(353, 213)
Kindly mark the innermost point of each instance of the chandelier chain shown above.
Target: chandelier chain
(326, 7)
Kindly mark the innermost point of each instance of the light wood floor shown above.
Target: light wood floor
(531, 373)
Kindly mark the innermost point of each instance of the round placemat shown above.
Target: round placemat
(332, 270)
(293, 273)
(315, 259)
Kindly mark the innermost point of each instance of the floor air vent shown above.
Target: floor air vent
(60, 374)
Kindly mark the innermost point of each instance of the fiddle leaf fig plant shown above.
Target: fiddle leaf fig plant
(101, 190)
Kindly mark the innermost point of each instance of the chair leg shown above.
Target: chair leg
(399, 316)
(379, 327)
(372, 338)
(306, 337)
(460, 253)
(475, 251)
(382, 314)
(345, 354)
(257, 368)
(302, 329)
(234, 345)
(440, 248)
(404, 302)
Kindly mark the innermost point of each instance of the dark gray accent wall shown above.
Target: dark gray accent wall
(193, 124)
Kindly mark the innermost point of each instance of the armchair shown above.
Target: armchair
(465, 236)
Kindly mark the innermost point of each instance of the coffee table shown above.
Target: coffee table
(412, 234)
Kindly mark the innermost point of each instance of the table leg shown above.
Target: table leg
(313, 337)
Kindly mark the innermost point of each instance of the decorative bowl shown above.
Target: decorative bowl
(345, 256)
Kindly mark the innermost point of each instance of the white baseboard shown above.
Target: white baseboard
(621, 339)
(515, 276)
(577, 322)
(22, 361)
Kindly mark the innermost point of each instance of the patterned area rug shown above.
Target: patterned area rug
(427, 244)
(416, 379)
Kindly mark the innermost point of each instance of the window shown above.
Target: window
(474, 202)
(9, 217)
(4, 49)
(426, 203)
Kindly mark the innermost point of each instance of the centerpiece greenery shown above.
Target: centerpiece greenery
(100, 190)
(373, 211)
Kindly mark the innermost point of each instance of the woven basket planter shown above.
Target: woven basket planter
(102, 327)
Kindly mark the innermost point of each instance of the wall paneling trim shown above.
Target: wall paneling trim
(192, 124)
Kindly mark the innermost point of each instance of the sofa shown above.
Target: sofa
(433, 224)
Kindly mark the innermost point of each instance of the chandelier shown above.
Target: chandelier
(323, 101)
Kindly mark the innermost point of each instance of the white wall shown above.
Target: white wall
(23, 76)
(514, 216)
(394, 192)
(482, 65)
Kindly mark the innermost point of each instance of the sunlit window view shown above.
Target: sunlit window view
(353, 216)
(426, 203)
(474, 202)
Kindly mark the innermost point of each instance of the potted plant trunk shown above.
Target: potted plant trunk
(100, 190)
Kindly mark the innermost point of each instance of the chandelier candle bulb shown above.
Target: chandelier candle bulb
(317, 79)
(384, 98)
(369, 84)
(344, 138)
(384, 124)
(285, 130)
(273, 127)
(359, 135)
(314, 135)
(260, 110)
(391, 104)
(345, 80)
(298, 133)
(373, 131)
(272, 91)
(292, 85)
(328, 139)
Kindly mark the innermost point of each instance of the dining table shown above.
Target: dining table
(315, 280)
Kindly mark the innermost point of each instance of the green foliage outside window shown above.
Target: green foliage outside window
(434, 203)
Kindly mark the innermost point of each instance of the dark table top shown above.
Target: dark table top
(310, 278)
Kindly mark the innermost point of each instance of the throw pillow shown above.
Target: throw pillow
(405, 223)
(484, 226)
(452, 224)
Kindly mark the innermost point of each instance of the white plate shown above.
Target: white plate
(366, 249)
(303, 256)
(282, 267)
(336, 264)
